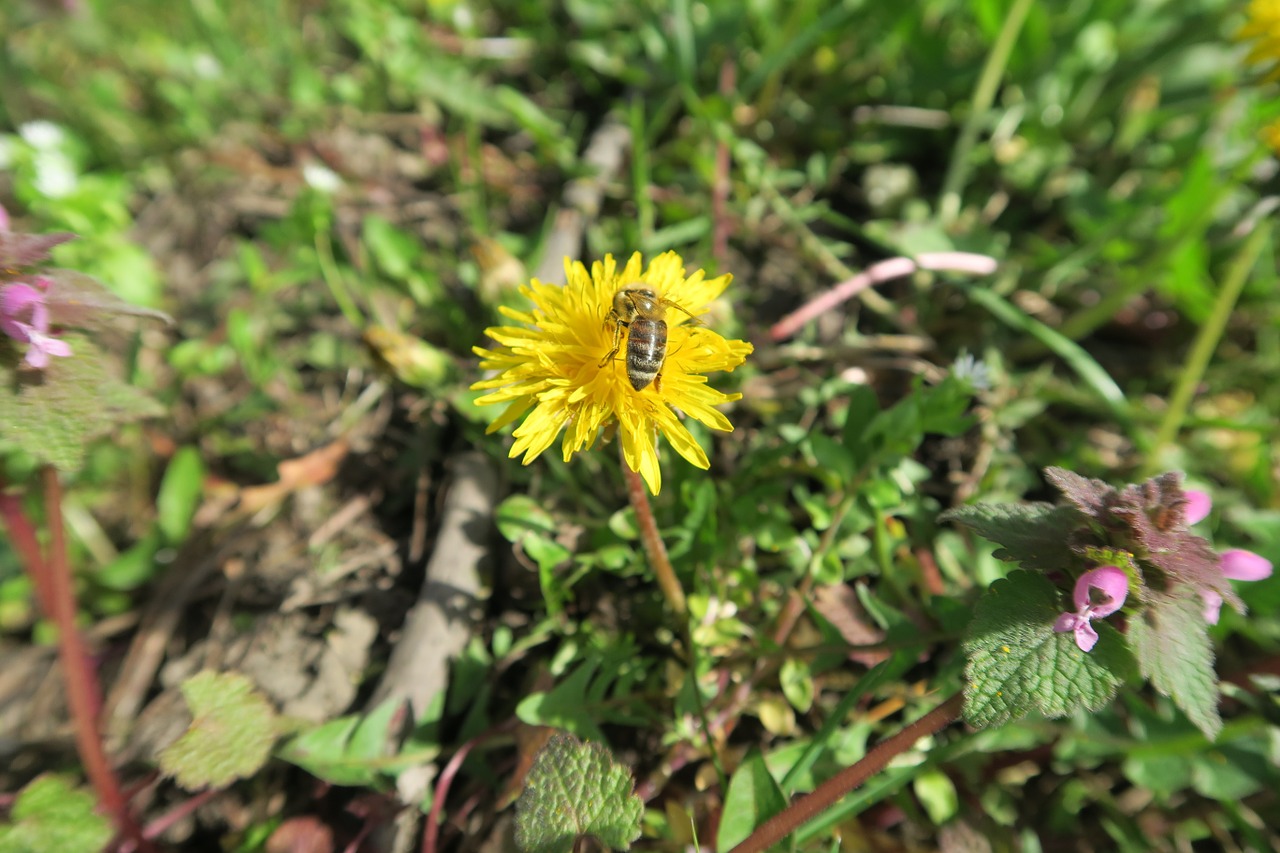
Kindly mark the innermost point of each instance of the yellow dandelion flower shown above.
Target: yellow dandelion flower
(554, 371)
(1262, 27)
(1271, 136)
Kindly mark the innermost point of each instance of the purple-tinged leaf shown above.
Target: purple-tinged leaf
(80, 300)
(25, 250)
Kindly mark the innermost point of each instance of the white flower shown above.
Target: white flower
(42, 135)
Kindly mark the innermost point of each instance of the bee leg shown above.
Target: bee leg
(617, 343)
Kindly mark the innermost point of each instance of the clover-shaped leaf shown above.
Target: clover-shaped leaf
(575, 789)
(230, 736)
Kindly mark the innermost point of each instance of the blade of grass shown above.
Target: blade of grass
(1207, 341)
(1072, 354)
(984, 95)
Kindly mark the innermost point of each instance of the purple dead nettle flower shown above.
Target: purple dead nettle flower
(1237, 564)
(24, 316)
(1112, 587)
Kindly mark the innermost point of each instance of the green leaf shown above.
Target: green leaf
(1017, 664)
(179, 494)
(753, 798)
(397, 253)
(575, 790)
(565, 706)
(54, 414)
(1171, 641)
(1034, 535)
(50, 814)
(230, 737)
(356, 750)
(797, 684)
(937, 793)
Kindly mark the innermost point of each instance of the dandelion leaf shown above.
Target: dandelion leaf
(575, 790)
(1016, 664)
(230, 737)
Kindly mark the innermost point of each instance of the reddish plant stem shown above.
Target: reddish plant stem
(444, 781)
(829, 792)
(653, 546)
(182, 810)
(22, 533)
(84, 698)
(965, 262)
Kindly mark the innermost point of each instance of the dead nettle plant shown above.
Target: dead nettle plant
(57, 395)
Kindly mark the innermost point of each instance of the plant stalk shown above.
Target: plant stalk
(653, 545)
(84, 697)
(829, 792)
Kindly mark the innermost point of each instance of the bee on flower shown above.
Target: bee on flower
(618, 348)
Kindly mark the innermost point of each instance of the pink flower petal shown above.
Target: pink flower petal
(1198, 505)
(22, 307)
(1086, 637)
(1212, 605)
(1240, 565)
(1068, 622)
(1111, 582)
(15, 299)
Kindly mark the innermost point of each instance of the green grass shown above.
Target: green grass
(1107, 154)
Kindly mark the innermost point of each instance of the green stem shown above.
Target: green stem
(333, 277)
(653, 545)
(984, 94)
(829, 792)
(1207, 341)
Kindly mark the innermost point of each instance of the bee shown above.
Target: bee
(641, 313)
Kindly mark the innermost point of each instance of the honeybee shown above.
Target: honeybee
(641, 313)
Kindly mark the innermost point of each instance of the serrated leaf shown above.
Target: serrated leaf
(230, 736)
(575, 790)
(355, 750)
(1034, 535)
(1171, 641)
(25, 250)
(53, 414)
(754, 797)
(51, 814)
(77, 299)
(1017, 664)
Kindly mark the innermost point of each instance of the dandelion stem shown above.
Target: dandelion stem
(653, 546)
(1207, 341)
